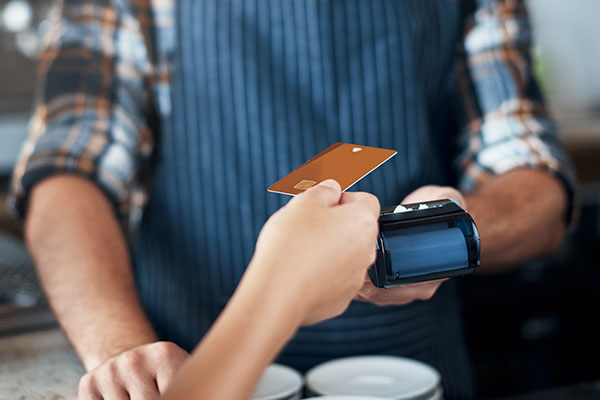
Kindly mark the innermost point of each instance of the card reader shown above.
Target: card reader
(424, 241)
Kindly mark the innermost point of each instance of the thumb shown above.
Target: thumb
(328, 191)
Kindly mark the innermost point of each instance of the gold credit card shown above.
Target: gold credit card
(346, 163)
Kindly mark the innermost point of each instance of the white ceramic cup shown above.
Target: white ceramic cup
(279, 382)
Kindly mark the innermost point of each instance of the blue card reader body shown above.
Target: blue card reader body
(424, 241)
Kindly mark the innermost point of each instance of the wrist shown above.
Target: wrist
(110, 346)
(259, 308)
(279, 295)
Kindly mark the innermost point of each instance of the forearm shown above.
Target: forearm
(520, 216)
(245, 339)
(82, 260)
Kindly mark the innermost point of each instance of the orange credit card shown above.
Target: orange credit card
(346, 163)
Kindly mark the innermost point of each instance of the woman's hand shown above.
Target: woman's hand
(310, 260)
(318, 248)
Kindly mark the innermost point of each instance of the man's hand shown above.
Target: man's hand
(415, 291)
(400, 295)
(83, 263)
(142, 373)
(520, 215)
(432, 192)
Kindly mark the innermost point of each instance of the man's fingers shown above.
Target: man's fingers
(328, 191)
(87, 388)
(168, 357)
(399, 295)
(134, 370)
(109, 382)
(142, 373)
(111, 389)
(143, 390)
(142, 386)
(166, 374)
(432, 192)
(164, 379)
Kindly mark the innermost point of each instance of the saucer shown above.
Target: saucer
(389, 377)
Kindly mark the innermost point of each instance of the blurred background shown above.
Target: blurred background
(528, 330)
(534, 328)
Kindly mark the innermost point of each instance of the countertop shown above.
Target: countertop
(39, 365)
(43, 366)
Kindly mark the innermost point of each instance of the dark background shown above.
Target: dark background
(536, 327)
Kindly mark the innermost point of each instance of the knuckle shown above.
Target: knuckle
(166, 350)
(371, 293)
(132, 360)
(87, 387)
(427, 294)
(86, 383)
(158, 348)
(366, 221)
(375, 201)
(379, 301)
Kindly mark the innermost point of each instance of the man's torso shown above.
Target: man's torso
(258, 87)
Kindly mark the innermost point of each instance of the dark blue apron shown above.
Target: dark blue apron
(259, 87)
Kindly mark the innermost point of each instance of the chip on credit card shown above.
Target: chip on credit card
(346, 163)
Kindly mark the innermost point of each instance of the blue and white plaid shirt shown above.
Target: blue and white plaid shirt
(106, 64)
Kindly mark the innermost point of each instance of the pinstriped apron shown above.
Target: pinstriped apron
(259, 87)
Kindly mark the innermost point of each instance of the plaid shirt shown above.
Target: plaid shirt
(105, 66)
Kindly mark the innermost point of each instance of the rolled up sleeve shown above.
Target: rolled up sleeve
(507, 125)
(89, 113)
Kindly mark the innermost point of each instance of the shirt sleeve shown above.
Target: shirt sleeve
(89, 109)
(507, 125)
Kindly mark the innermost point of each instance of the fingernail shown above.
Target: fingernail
(331, 183)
